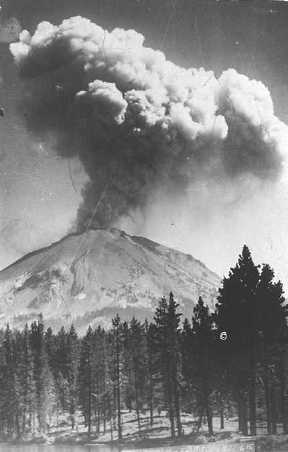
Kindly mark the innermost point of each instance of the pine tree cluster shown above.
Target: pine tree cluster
(226, 363)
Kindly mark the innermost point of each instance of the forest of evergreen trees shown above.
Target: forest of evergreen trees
(230, 362)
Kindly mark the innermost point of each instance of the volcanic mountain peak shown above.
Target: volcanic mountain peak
(87, 278)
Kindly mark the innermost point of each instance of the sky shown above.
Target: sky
(41, 189)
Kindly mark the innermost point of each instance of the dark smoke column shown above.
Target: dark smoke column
(139, 122)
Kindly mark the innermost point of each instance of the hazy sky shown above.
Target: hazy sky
(40, 191)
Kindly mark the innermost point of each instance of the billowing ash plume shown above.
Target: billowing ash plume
(139, 122)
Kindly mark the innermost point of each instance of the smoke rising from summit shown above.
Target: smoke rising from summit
(142, 125)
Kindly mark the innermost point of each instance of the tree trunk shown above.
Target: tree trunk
(268, 402)
(209, 420)
(221, 416)
(170, 407)
(252, 392)
(151, 395)
(17, 426)
(118, 397)
(89, 411)
(199, 423)
(242, 415)
(151, 412)
(177, 405)
(273, 411)
(209, 415)
(178, 416)
(104, 416)
(267, 390)
(98, 419)
(206, 401)
(111, 427)
(284, 388)
(245, 420)
(73, 419)
(137, 403)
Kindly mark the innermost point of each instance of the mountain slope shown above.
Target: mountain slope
(87, 278)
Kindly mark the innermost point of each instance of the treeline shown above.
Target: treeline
(229, 362)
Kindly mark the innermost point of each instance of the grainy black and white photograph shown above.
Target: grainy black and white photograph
(143, 225)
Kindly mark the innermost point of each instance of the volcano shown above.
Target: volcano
(87, 278)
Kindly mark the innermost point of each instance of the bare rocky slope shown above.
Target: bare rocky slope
(87, 278)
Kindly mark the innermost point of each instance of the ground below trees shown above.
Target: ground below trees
(158, 436)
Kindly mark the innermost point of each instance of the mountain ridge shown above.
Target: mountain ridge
(76, 234)
(86, 278)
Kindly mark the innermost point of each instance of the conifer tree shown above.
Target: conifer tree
(203, 359)
(188, 364)
(237, 315)
(126, 367)
(271, 327)
(86, 378)
(150, 332)
(28, 387)
(72, 372)
(40, 368)
(250, 308)
(167, 343)
(60, 366)
(117, 348)
(8, 396)
(137, 347)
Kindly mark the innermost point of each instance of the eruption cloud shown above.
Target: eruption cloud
(142, 125)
